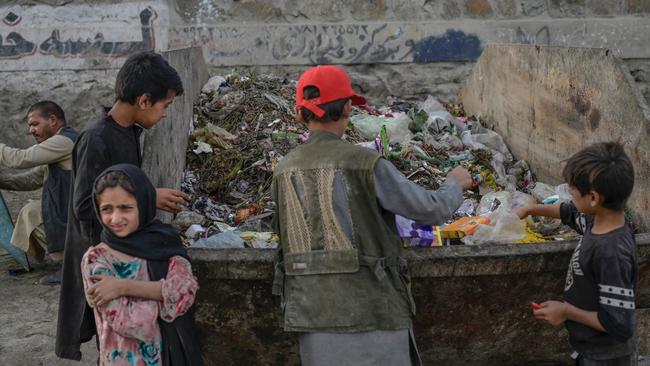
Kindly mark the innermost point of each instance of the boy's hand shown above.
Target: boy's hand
(553, 312)
(105, 289)
(461, 175)
(523, 211)
(170, 200)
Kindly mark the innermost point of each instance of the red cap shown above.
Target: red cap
(332, 82)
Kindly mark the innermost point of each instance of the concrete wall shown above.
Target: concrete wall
(547, 104)
(69, 51)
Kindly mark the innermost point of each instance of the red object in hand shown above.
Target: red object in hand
(535, 306)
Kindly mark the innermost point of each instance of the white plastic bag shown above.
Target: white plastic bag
(542, 191)
(439, 118)
(505, 227)
(563, 192)
(397, 127)
(520, 199)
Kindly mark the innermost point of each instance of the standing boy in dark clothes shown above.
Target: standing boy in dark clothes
(598, 307)
(344, 283)
(145, 86)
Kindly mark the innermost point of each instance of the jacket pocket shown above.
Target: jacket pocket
(321, 262)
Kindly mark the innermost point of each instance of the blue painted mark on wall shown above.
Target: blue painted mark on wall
(454, 45)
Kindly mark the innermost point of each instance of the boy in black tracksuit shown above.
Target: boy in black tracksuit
(598, 308)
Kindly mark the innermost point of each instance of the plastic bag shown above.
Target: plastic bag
(492, 201)
(439, 118)
(370, 126)
(563, 193)
(542, 191)
(194, 230)
(487, 139)
(467, 208)
(228, 239)
(416, 235)
(185, 219)
(213, 84)
(202, 148)
(506, 200)
(451, 142)
(521, 172)
(497, 163)
(520, 199)
(260, 240)
(505, 227)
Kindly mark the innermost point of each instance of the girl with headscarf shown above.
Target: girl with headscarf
(139, 279)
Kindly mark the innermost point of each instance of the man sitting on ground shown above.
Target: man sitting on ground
(41, 224)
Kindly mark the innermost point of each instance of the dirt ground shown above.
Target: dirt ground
(28, 310)
(28, 314)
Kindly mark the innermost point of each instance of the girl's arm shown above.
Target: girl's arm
(107, 288)
(178, 289)
(175, 294)
(127, 316)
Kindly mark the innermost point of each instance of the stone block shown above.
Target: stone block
(533, 8)
(605, 7)
(478, 8)
(369, 10)
(507, 8)
(566, 8)
(447, 9)
(638, 6)
(194, 11)
(452, 10)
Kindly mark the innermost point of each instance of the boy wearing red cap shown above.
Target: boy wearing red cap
(344, 283)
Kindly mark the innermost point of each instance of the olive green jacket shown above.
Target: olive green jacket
(341, 267)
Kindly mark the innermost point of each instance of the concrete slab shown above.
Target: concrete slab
(472, 305)
(549, 102)
(165, 144)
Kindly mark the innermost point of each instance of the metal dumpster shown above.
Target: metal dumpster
(472, 301)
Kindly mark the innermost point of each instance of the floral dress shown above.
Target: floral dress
(127, 327)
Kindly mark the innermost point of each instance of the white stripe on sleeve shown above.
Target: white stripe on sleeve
(625, 292)
(617, 303)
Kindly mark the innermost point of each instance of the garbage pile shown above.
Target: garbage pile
(244, 124)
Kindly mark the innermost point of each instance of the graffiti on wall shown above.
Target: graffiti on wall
(16, 46)
(391, 42)
(454, 45)
(330, 43)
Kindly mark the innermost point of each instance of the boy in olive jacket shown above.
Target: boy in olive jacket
(343, 280)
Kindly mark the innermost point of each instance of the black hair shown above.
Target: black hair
(333, 110)
(146, 73)
(48, 108)
(114, 179)
(605, 168)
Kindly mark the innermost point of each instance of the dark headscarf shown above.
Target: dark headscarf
(153, 240)
(156, 243)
